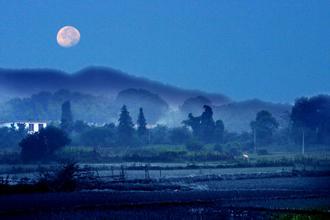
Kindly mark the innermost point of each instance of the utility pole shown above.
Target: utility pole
(303, 142)
(255, 140)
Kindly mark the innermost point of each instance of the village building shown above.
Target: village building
(30, 126)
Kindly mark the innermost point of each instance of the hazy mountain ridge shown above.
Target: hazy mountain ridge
(92, 80)
(98, 93)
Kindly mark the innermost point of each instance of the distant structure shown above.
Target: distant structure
(31, 126)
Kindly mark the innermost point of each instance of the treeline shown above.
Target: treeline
(307, 123)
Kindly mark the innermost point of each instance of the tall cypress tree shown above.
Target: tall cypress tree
(125, 128)
(142, 124)
(66, 118)
(142, 130)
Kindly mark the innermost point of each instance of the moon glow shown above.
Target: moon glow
(68, 36)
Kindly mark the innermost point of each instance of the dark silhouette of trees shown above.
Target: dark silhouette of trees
(43, 144)
(263, 127)
(153, 105)
(203, 126)
(66, 117)
(125, 128)
(207, 124)
(10, 137)
(311, 119)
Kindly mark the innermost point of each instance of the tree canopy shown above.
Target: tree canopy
(312, 115)
(125, 128)
(43, 144)
(203, 126)
(264, 127)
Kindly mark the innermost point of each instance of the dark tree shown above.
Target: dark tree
(141, 125)
(311, 118)
(125, 128)
(263, 127)
(207, 124)
(10, 137)
(203, 126)
(43, 144)
(66, 118)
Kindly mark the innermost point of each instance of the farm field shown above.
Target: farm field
(167, 170)
(241, 204)
(193, 190)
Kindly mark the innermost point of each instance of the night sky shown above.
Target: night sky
(273, 50)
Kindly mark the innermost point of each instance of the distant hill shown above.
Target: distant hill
(238, 115)
(92, 80)
(98, 93)
(47, 106)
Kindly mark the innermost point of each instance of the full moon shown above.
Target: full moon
(68, 36)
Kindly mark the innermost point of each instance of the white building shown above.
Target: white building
(31, 126)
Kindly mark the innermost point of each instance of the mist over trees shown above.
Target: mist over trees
(10, 137)
(153, 105)
(307, 123)
(46, 106)
(193, 105)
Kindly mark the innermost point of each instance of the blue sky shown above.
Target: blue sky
(273, 50)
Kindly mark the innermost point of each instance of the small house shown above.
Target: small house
(30, 126)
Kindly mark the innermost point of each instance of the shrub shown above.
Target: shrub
(43, 144)
(63, 180)
(194, 146)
